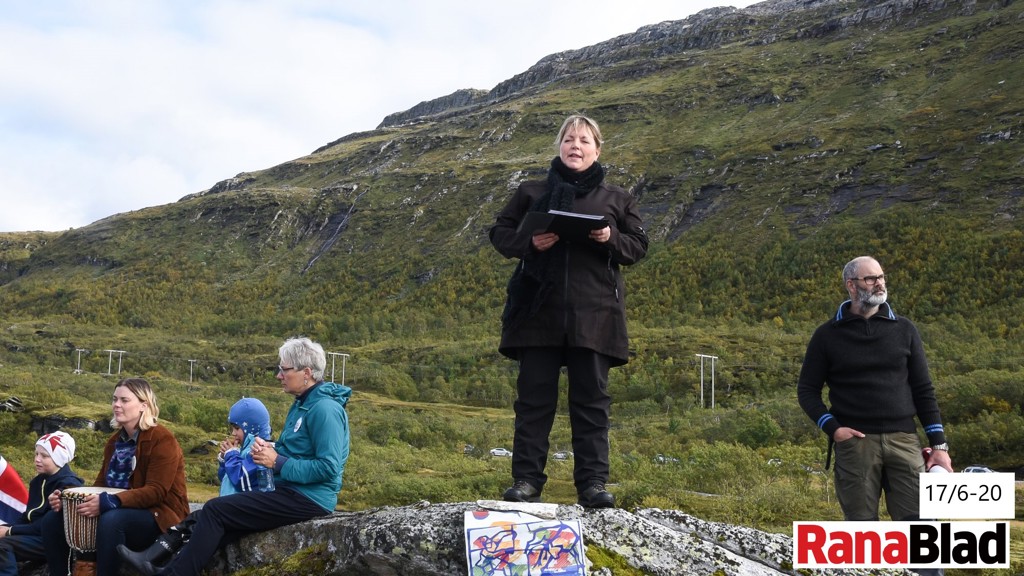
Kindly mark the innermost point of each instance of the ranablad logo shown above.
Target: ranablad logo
(982, 544)
(972, 543)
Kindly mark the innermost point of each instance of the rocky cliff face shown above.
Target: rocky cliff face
(427, 539)
(762, 23)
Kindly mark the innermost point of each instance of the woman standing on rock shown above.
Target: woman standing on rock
(566, 307)
(308, 460)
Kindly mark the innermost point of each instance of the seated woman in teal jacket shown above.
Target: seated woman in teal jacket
(308, 461)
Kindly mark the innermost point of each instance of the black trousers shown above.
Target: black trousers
(535, 407)
(228, 518)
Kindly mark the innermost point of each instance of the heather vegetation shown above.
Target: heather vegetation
(761, 167)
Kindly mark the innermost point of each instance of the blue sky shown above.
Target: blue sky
(110, 106)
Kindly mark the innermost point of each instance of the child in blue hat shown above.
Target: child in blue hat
(248, 419)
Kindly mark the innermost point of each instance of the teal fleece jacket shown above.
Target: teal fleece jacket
(315, 443)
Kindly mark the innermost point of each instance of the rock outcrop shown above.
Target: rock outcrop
(53, 422)
(427, 539)
(759, 24)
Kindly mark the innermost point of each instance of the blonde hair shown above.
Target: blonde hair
(574, 122)
(144, 392)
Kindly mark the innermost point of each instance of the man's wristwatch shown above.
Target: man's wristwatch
(944, 447)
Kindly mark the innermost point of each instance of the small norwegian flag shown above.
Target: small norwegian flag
(13, 495)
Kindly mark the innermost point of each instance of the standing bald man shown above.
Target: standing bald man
(874, 365)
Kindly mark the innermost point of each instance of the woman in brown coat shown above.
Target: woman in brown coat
(566, 307)
(144, 459)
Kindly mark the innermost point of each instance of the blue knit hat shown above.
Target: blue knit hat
(251, 416)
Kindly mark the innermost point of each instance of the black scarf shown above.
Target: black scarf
(533, 279)
(564, 186)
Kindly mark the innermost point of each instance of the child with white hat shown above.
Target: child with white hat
(22, 540)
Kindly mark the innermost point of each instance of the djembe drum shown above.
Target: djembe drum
(80, 531)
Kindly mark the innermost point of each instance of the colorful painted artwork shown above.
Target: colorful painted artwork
(503, 543)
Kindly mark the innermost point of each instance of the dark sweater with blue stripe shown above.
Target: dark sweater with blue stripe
(876, 373)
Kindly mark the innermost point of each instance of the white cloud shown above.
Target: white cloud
(109, 106)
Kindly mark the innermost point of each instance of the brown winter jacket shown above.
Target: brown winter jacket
(158, 482)
(586, 304)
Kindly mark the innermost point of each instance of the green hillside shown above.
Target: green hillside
(767, 148)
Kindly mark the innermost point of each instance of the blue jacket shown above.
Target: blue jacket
(315, 444)
(237, 471)
(38, 506)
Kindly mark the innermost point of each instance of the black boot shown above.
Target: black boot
(148, 561)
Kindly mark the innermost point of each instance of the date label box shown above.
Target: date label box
(975, 496)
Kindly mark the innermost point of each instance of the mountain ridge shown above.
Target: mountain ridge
(798, 139)
(700, 31)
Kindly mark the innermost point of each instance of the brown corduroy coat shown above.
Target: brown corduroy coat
(158, 480)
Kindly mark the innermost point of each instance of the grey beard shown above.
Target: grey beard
(871, 299)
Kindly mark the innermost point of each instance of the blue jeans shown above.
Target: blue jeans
(133, 527)
(14, 549)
